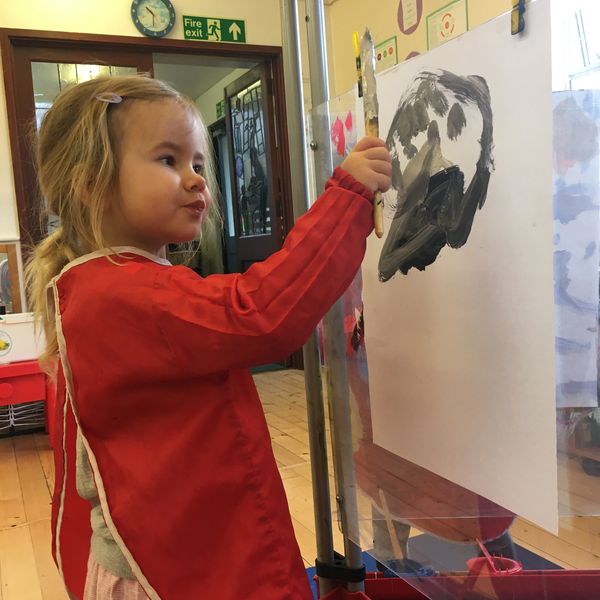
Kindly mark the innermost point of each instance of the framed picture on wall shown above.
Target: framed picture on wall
(446, 23)
(11, 292)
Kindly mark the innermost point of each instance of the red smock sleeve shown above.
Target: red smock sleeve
(239, 320)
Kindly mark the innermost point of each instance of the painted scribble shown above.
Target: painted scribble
(576, 215)
(340, 130)
(432, 207)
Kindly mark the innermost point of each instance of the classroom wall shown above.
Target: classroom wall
(343, 17)
(262, 18)
(9, 229)
(111, 17)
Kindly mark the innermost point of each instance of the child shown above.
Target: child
(162, 430)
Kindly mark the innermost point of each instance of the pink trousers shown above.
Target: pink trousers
(102, 585)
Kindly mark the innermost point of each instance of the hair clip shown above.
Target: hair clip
(109, 98)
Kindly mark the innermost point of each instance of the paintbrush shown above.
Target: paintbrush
(488, 557)
(355, 40)
(371, 112)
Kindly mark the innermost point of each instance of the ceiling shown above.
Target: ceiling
(191, 80)
(194, 75)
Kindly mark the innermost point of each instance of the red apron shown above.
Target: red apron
(155, 361)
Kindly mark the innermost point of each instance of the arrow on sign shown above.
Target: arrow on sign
(234, 30)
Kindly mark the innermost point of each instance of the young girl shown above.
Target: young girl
(162, 446)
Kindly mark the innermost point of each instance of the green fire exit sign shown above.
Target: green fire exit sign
(210, 29)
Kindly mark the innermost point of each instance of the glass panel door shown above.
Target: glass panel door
(50, 78)
(37, 74)
(256, 187)
(252, 188)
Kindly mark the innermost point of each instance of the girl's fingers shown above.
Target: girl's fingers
(370, 163)
(368, 142)
(380, 152)
(384, 183)
(381, 166)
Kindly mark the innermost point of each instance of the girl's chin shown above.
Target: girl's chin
(184, 239)
(188, 234)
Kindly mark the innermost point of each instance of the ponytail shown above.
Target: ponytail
(46, 261)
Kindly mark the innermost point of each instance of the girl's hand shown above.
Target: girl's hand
(370, 163)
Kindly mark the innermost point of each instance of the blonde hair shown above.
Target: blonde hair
(77, 170)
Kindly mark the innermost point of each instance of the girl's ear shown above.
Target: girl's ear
(110, 201)
(83, 185)
(86, 194)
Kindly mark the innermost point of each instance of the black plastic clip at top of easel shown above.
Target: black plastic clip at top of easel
(338, 571)
(517, 17)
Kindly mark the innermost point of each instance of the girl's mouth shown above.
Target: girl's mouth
(197, 207)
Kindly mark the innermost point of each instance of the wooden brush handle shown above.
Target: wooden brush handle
(372, 129)
(378, 213)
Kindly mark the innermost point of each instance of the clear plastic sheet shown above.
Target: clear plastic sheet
(429, 530)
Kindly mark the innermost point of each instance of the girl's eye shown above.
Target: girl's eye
(199, 169)
(167, 160)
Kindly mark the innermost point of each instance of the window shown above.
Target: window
(575, 44)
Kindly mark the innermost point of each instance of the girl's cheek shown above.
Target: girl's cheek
(208, 199)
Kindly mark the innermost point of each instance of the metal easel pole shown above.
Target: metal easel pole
(310, 351)
(335, 343)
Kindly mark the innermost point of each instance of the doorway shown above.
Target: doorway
(200, 69)
(232, 96)
(204, 81)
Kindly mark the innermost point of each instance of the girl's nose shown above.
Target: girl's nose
(195, 182)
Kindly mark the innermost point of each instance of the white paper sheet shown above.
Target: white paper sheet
(461, 355)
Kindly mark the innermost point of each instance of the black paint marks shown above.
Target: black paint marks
(432, 207)
(456, 121)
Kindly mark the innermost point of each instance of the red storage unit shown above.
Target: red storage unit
(22, 387)
(527, 585)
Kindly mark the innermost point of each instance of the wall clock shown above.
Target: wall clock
(154, 18)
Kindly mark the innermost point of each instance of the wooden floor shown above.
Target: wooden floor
(27, 571)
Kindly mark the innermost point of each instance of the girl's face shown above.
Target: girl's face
(162, 195)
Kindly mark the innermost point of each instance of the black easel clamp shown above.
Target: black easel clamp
(338, 571)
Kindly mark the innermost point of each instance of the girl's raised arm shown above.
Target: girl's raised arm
(234, 321)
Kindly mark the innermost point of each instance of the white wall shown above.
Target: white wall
(9, 227)
(263, 26)
(111, 17)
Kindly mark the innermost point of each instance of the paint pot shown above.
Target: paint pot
(480, 566)
(486, 573)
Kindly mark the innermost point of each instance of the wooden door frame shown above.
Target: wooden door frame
(41, 45)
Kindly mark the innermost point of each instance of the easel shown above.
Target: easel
(348, 570)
